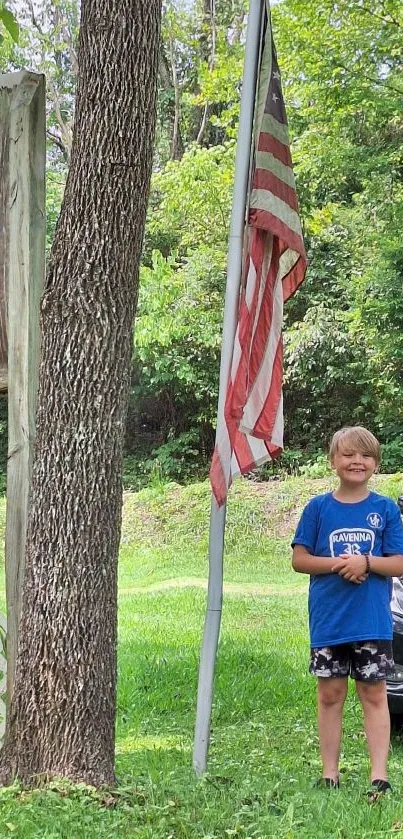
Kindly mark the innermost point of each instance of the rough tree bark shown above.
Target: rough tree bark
(62, 713)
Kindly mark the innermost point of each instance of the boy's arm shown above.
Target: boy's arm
(306, 563)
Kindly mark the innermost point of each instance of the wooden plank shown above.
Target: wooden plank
(23, 96)
(3, 675)
(4, 150)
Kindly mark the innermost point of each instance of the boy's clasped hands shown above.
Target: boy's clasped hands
(352, 567)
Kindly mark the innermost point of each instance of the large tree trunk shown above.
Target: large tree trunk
(62, 715)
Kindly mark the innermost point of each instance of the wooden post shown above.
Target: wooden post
(22, 189)
(3, 676)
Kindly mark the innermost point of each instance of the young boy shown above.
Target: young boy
(351, 543)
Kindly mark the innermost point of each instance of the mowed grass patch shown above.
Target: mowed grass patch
(264, 750)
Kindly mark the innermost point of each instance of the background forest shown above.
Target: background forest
(341, 67)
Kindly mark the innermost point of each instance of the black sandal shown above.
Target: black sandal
(326, 783)
(378, 787)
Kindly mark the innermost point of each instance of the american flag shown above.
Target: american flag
(251, 431)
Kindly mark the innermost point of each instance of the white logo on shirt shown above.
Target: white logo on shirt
(375, 520)
(351, 540)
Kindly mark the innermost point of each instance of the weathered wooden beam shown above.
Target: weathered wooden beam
(22, 116)
(3, 676)
(4, 150)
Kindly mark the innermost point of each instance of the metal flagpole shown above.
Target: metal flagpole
(234, 270)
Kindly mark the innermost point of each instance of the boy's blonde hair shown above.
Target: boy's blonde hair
(357, 438)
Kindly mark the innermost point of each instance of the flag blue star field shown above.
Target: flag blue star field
(274, 266)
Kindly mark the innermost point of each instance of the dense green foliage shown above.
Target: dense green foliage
(264, 751)
(341, 66)
(8, 23)
(342, 76)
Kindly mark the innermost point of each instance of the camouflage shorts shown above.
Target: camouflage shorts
(365, 661)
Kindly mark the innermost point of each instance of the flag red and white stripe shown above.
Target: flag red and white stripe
(251, 431)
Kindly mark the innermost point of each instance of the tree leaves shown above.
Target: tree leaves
(9, 22)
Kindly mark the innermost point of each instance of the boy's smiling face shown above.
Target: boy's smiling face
(353, 467)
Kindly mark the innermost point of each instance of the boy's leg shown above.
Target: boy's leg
(371, 663)
(377, 725)
(331, 696)
(331, 665)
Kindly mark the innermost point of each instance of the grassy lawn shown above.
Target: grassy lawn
(264, 750)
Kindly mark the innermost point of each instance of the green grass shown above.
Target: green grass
(264, 750)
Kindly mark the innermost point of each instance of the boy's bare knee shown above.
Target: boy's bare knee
(331, 691)
(371, 693)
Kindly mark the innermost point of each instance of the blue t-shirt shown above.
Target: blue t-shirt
(340, 611)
